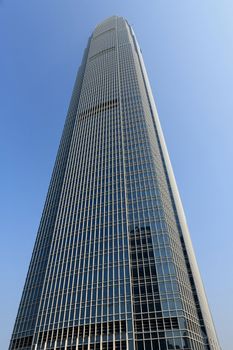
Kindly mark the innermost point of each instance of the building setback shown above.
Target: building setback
(113, 265)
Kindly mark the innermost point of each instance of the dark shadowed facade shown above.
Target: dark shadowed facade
(113, 265)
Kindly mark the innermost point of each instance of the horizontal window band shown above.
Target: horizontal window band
(101, 53)
(107, 105)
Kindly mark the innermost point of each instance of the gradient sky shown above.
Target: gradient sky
(188, 51)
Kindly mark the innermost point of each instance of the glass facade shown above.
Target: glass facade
(113, 265)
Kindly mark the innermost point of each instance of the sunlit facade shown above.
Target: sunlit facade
(113, 265)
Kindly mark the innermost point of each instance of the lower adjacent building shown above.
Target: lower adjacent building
(113, 265)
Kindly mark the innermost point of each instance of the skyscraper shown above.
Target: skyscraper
(113, 265)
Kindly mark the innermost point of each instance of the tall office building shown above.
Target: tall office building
(113, 265)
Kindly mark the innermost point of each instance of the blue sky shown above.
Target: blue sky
(188, 51)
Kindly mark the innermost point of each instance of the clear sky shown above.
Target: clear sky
(188, 51)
